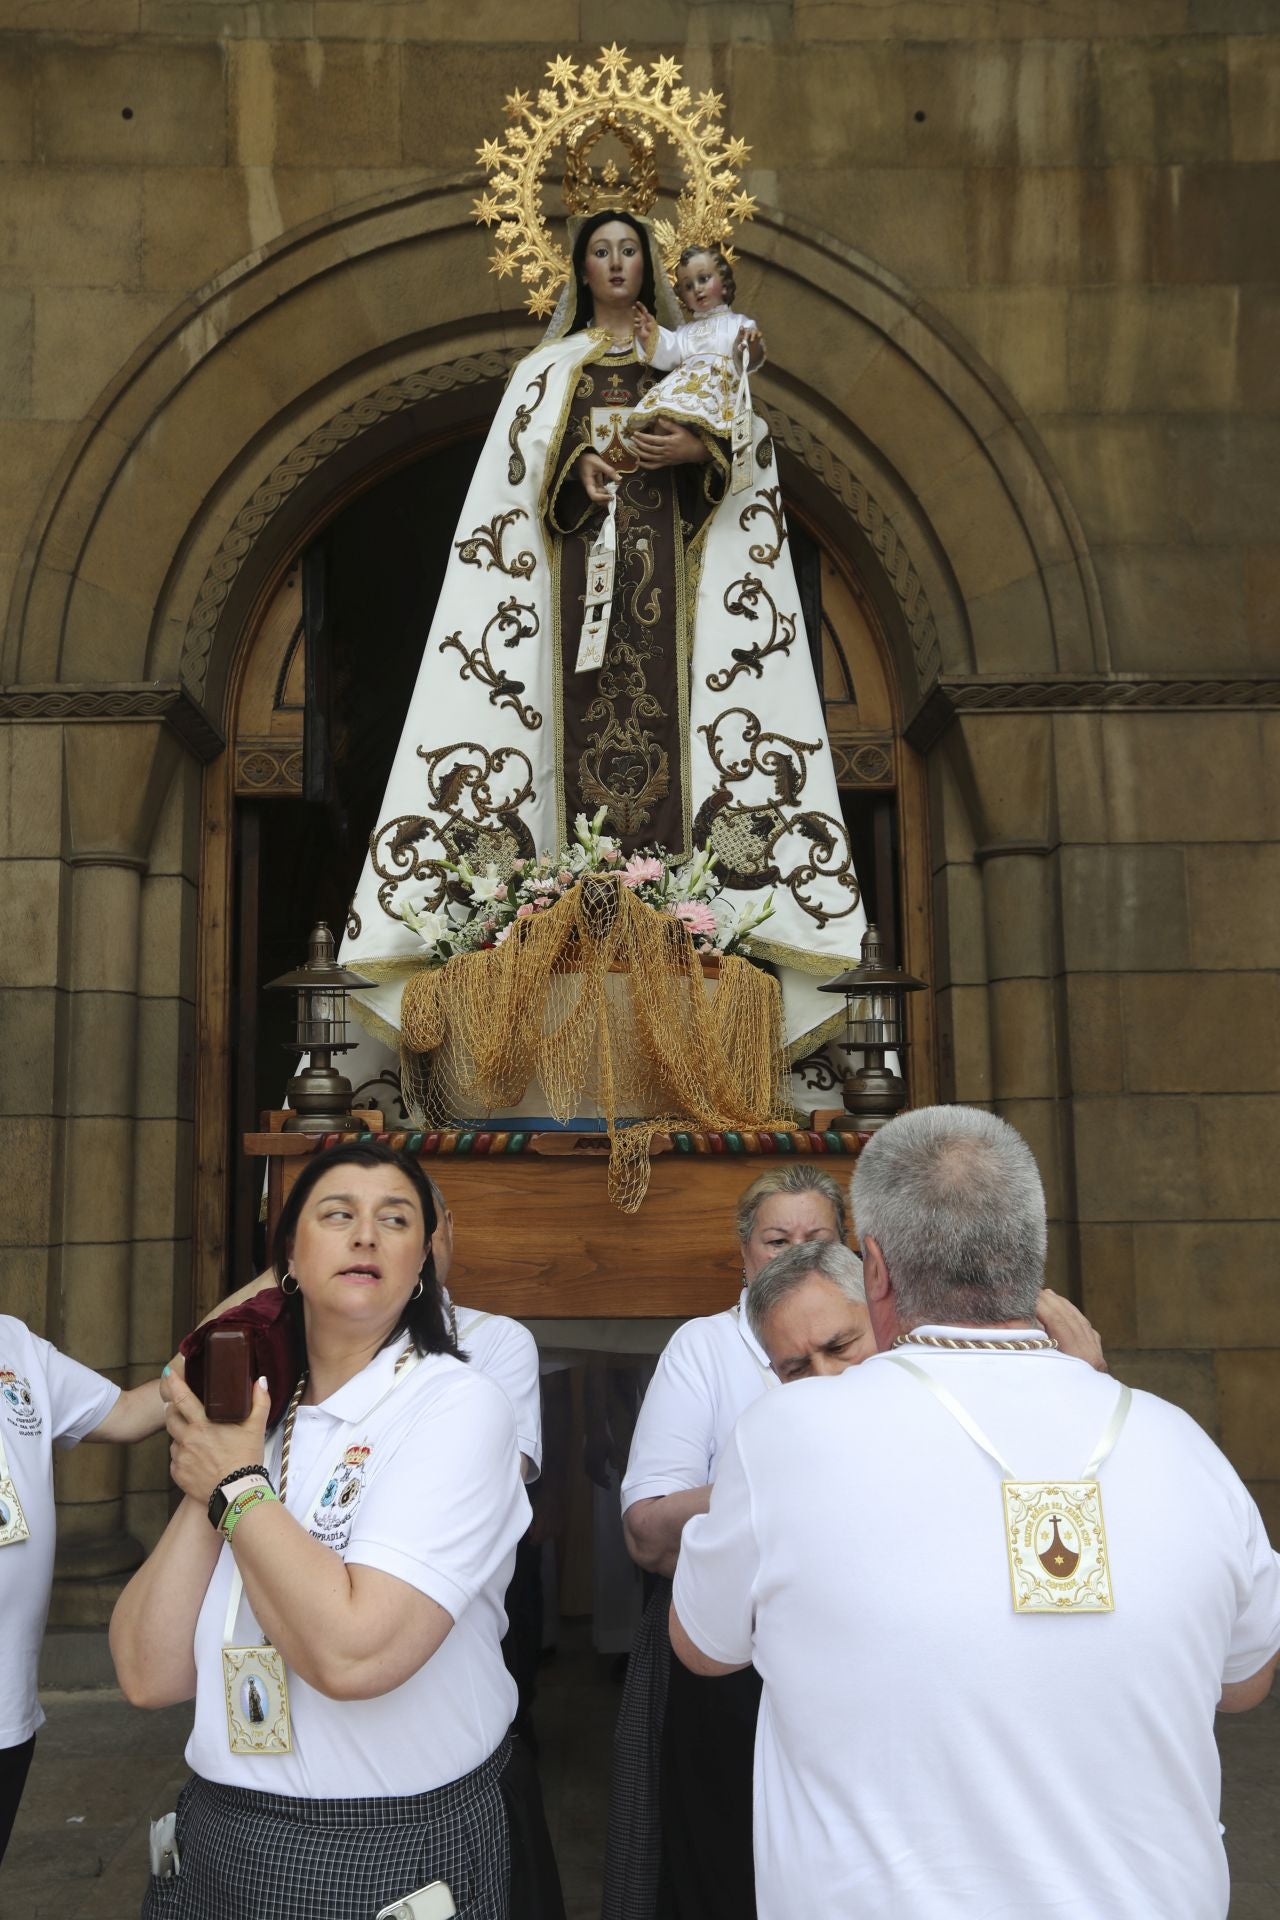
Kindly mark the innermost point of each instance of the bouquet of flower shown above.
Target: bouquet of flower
(494, 905)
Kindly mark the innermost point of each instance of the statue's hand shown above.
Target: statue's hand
(597, 476)
(749, 344)
(669, 444)
(645, 324)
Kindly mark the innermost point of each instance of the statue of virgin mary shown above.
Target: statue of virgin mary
(701, 726)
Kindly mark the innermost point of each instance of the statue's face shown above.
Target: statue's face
(699, 284)
(614, 264)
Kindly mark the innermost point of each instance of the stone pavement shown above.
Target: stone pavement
(102, 1769)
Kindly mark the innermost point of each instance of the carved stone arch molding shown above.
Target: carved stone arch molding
(231, 423)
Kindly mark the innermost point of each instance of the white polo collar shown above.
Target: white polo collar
(365, 1389)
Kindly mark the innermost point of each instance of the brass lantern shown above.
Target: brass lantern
(875, 1025)
(319, 1096)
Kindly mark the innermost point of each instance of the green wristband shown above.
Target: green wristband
(251, 1497)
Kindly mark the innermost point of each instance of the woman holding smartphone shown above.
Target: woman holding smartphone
(331, 1595)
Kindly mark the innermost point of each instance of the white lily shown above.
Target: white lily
(488, 885)
(430, 927)
(753, 917)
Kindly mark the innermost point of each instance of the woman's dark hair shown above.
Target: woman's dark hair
(423, 1319)
(584, 311)
(728, 284)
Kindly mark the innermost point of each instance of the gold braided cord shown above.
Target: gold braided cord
(949, 1344)
(286, 1438)
(604, 1001)
(636, 106)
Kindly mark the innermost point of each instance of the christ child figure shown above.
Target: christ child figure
(703, 360)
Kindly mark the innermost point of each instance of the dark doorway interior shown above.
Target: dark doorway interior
(371, 582)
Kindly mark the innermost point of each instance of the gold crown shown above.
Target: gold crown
(578, 109)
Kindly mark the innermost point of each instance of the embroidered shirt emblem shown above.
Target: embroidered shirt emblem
(20, 1409)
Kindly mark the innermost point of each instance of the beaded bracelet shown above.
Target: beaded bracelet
(241, 1505)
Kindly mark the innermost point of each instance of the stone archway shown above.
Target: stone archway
(212, 422)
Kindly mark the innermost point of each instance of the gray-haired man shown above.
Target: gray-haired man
(808, 1310)
(994, 1598)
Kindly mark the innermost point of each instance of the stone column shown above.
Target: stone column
(115, 777)
(1005, 764)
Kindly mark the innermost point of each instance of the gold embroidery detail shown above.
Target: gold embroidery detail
(768, 501)
(516, 468)
(488, 540)
(748, 835)
(514, 621)
(414, 847)
(743, 598)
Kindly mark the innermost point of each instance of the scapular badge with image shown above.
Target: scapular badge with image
(257, 1697)
(13, 1522)
(1058, 1559)
(1057, 1546)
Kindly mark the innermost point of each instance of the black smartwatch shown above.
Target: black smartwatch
(218, 1502)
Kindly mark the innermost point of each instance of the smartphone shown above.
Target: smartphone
(228, 1373)
(428, 1903)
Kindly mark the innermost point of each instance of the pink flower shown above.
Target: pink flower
(565, 877)
(610, 854)
(524, 910)
(502, 933)
(698, 917)
(542, 903)
(638, 871)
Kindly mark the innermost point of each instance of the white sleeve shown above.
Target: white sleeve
(508, 1353)
(666, 354)
(445, 1504)
(674, 1440)
(79, 1398)
(715, 1578)
(1256, 1634)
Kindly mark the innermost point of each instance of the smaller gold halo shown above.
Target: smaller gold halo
(635, 106)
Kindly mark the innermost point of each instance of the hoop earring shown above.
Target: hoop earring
(419, 1290)
(284, 1284)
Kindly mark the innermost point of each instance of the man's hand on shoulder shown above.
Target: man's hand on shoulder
(1067, 1325)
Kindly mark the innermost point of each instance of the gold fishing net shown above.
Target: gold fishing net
(603, 1000)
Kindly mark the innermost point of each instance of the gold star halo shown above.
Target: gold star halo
(578, 107)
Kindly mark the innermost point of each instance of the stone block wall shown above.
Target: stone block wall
(1082, 197)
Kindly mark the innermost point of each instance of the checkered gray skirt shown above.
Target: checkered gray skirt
(266, 1856)
(633, 1848)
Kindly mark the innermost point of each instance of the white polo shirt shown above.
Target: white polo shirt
(46, 1400)
(709, 1371)
(924, 1752)
(437, 1501)
(508, 1353)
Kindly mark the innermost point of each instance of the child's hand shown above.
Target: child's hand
(644, 323)
(749, 346)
